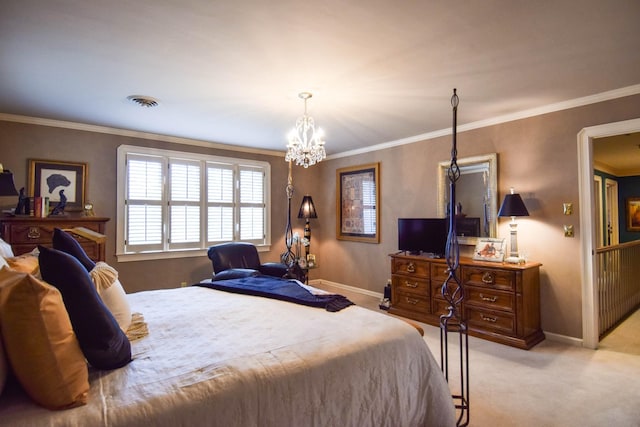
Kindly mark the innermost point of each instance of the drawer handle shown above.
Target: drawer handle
(411, 268)
(489, 299)
(410, 285)
(487, 278)
(34, 233)
(412, 300)
(488, 319)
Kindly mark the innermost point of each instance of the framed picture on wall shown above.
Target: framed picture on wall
(633, 214)
(47, 178)
(358, 203)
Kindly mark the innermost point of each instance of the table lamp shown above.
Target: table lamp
(513, 206)
(307, 211)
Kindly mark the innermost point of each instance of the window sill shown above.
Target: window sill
(188, 253)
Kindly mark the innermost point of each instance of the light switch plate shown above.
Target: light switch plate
(568, 231)
(567, 208)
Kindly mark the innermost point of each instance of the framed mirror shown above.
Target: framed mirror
(476, 197)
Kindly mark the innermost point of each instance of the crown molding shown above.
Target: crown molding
(133, 134)
(564, 105)
(551, 108)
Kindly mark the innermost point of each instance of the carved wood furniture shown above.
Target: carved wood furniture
(501, 301)
(24, 233)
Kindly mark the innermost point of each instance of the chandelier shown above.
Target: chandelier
(305, 146)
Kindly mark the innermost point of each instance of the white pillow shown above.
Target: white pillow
(115, 298)
(5, 249)
(112, 293)
(3, 262)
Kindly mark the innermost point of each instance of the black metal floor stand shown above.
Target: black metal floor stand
(452, 291)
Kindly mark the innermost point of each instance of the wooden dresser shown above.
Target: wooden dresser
(501, 301)
(24, 233)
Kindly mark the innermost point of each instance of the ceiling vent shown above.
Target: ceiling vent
(143, 101)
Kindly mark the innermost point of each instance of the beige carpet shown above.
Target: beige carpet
(552, 384)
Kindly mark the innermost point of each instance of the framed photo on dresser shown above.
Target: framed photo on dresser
(489, 249)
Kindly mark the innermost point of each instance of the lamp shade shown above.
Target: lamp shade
(307, 209)
(7, 187)
(512, 205)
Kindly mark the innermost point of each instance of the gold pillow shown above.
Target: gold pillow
(27, 263)
(40, 344)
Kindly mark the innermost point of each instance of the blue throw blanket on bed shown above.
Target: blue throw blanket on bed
(281, 289)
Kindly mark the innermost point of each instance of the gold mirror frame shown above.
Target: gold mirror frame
(486, 164)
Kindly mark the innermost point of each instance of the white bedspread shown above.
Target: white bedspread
(219, 359)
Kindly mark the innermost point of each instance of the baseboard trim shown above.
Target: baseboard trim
(564, 339)
(346, 287)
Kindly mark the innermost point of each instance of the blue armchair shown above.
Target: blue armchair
(239, 259)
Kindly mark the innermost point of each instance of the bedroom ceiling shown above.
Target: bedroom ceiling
(380, 71)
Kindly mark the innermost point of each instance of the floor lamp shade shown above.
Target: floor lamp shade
(307, 208)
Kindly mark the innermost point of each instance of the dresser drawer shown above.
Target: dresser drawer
(410, 267)
(436, 288)
(411, 301)
(490, 298)
(489, 320)
(440, 306)
(30, 234)
(25, 233)
(489, 278)
(440, 272)
(410, 284)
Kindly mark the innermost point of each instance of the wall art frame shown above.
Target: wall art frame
(358, 203)
(633, 213)
(48, 177)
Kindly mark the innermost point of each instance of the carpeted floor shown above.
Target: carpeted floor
(553, 384)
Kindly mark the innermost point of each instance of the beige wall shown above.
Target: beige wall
(537, 156)
(20, 142)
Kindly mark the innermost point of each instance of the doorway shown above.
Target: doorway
(588, 222)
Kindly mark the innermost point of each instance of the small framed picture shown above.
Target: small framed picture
(633, 214)
(489, 249)
(311, 260)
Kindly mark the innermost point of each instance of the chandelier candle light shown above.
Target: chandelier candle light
(306, 146)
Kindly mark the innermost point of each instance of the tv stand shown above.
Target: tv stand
(501, 301)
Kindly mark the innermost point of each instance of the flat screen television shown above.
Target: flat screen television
(422, 235)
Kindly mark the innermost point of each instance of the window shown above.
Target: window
(173, 203)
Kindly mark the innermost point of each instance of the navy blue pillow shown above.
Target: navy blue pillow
(235, 273)
(65, 242)
(102, 341)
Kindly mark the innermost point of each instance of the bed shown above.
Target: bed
(213, 358)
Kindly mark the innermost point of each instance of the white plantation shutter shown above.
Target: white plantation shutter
(220, 222)
(177, 201)
(144, 196)
(252, 207)
(184, 203)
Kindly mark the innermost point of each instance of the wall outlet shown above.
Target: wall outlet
(183, 284)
